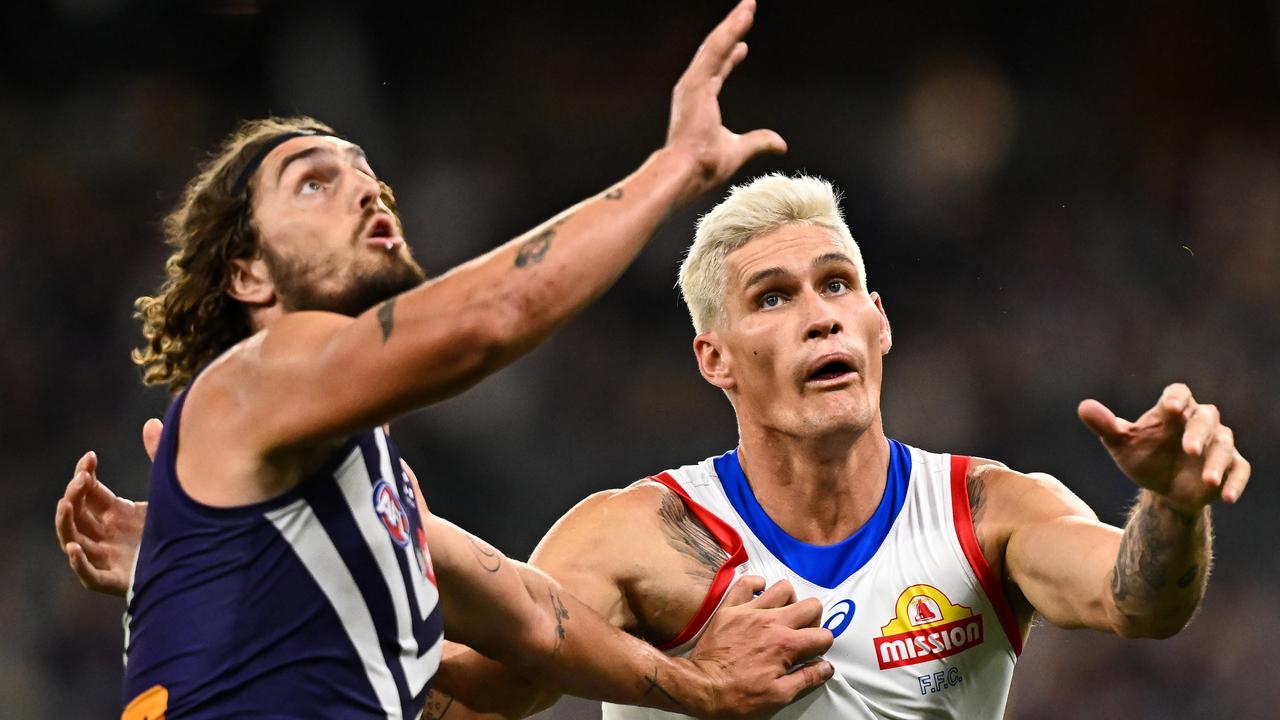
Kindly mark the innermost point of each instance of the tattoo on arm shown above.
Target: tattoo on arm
(653, 684)
(688, 536)
(438, 704)
(562, 614)
(1156, 539)
(386, 319)
(976, 489)
(535, 248)
(614, 194)
(490, 559)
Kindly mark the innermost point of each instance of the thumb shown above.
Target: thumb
(151, 430)
(1102, 422)
(764, 141)
(743, 590)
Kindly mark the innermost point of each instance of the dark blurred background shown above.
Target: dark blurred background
(1057, 201)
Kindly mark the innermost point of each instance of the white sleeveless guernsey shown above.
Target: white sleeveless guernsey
(922, 628)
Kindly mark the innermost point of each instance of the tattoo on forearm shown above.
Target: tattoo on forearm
(438, 704)
(690, 537)
(653, 684)
(614, 194)
(535, 248)
(386, 319)
(1188, 576)
(562, 614)
(490, 559)
(1157, 539)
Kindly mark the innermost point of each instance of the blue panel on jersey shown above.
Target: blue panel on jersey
(824, 565)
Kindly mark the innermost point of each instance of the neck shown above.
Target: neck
(820, 490)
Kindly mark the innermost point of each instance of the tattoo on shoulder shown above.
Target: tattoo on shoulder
(976, 489)
(438, 704)
(535, 248)
(386, 318)
(690, 537)
(614, 194)
(490, 559)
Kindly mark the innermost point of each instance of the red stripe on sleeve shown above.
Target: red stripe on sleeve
(728, 539)
(973, 552)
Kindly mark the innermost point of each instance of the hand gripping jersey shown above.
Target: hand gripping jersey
(922, 628)
(318, 603)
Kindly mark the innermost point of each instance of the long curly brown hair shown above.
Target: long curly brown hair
(192, 319)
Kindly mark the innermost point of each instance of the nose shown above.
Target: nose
(368, 191)
(822, 321)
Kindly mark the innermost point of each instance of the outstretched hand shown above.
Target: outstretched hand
(98, 531)
(1178, 449)
(696, 125)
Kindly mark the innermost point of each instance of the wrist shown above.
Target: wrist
(1186, 512)
(689, 686)
(679, 165)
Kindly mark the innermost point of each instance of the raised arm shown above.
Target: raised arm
(317, 376)
(1147, 579)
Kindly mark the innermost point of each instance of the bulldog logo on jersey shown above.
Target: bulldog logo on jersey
(927, 626)
(387, 504)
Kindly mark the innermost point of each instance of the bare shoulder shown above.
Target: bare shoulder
(1003, 502)
(599, 528)
(640, 531)
(1003, 498)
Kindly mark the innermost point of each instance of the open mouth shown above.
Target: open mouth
(382, 233)
(381, 228)
(831, 371)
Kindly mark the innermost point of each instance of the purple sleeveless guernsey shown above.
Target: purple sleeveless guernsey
(319, 603)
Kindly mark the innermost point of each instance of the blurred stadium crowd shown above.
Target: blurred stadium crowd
(1056, 202)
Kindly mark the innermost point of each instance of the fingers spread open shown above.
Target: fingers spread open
(64, 523)
(1219, 454)
(1236, 478)
(1176, 398)
(1203, 422)
(720, 45)
(90, 577)
(1102, 422)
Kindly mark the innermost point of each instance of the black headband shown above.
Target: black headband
(267, 147)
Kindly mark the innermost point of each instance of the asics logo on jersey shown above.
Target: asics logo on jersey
(839, 616)
(387, 504)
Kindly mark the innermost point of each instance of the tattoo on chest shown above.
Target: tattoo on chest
(690, 538)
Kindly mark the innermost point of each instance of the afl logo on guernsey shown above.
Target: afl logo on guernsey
(387, 504)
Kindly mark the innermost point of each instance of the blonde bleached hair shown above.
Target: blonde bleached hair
(756, 208)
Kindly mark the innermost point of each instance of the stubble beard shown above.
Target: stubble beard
(298, 285)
